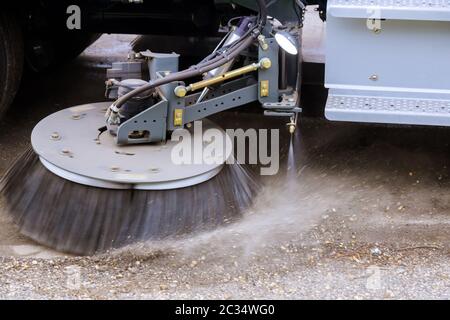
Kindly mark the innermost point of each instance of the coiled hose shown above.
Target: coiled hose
(206, 65)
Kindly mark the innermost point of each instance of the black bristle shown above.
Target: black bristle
(84, 220)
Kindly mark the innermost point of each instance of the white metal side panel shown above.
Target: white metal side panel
(408, 59)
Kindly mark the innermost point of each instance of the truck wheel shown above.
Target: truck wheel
(11, 59)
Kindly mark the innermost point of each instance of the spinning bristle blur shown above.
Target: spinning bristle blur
(105, 175)
(84, 220)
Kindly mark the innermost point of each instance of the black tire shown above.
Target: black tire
(57, 49)
(11, 59)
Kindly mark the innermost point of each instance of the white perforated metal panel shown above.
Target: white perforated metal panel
(388, 110)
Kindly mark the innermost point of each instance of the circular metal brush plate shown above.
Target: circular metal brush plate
(69, 145)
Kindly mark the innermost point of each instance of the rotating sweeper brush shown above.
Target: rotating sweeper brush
(150, 165)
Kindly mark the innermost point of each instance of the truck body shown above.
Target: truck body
(385, 60)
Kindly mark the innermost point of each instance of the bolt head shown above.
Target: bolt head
(55, 136)
(266, 63)
(154, 170)
(180, 91)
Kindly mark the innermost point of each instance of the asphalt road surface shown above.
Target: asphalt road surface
(358, 212)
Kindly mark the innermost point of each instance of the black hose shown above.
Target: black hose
(189, 73)
(262, 13)
(204, 66)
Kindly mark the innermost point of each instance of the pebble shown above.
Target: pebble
(194, 263)
(375, 251)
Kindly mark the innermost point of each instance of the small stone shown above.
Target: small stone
(194, 263)
(388, 294)
(375, 251)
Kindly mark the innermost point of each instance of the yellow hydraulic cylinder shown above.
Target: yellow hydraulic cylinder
(181, 91)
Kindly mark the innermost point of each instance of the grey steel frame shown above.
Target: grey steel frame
(158, 119)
